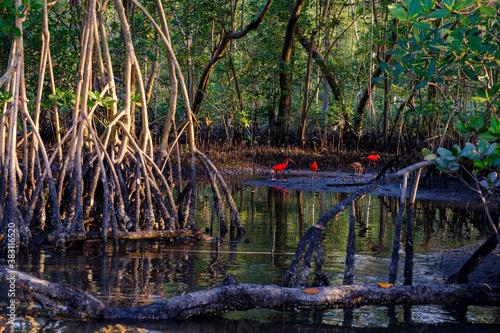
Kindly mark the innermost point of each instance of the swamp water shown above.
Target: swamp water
(275, 219)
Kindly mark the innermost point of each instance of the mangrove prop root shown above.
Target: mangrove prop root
(313, 234)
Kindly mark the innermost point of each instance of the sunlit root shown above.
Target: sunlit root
(235, 216)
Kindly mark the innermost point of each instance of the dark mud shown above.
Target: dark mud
(451, 191)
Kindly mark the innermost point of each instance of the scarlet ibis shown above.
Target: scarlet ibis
(314, 167)
(280, 168)
(373, 158)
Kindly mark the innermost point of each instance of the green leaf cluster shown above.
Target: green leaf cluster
(444, 38)
(484, 155)
(66, 99)
(6, 97)
(96, 99)
(9, 13)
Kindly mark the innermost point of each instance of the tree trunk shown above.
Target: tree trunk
(305, 105)
(282, 123)
(173, 86)
(321, 62)
(205, 77)
(360, 109)
(12, 219)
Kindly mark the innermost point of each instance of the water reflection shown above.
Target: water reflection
(273, 323)
(275, 219)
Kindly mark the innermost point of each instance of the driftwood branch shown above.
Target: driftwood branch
(67, 301)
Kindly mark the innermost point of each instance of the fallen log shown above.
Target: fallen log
(61, 300)
(90, 235)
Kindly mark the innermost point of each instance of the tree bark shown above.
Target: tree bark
(282, 123)
(205, 77)
(232, 296)
(360, 110)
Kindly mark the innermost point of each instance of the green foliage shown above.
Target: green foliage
(440, 41)
(95, 98)
(9, 13)
(484, 153)
(65, 100)
(6, 97)
(436, 113)
(422, 55)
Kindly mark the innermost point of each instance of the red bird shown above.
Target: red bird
(280, 168)
(314, 167)
(372, 158)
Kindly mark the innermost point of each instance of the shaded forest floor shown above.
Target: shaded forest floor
(260, 158)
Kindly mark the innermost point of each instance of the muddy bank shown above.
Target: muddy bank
(450, 191)
(449, 262)
(335, 172)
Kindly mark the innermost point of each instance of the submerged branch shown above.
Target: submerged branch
(83, 236)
